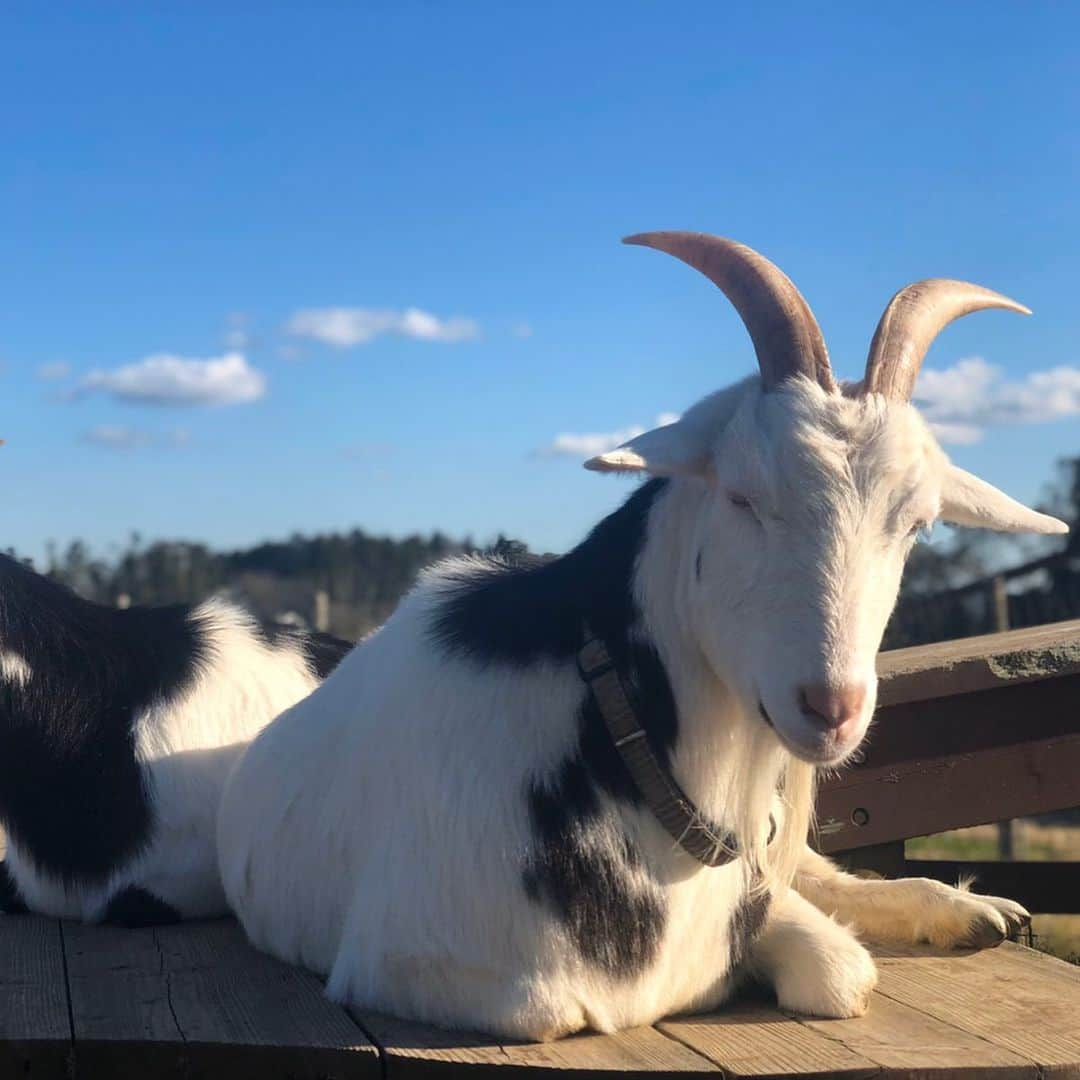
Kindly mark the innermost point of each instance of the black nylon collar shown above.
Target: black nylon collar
(669, 804)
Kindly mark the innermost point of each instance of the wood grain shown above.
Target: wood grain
(195, 999)
(35, 1028)
(1011, 997)
(758, 1041)
(417, 1050)
(907, 1042)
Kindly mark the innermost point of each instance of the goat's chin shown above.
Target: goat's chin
(814, 747)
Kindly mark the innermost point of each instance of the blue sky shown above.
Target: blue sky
(277, 267)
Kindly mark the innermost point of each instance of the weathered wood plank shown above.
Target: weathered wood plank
(196, 1000)
(916, 798)
(979, 663)
(35, 1027)
(908, 1043)
(969, 723)
(1013, 998)
(752, 1040)
(417, 1050)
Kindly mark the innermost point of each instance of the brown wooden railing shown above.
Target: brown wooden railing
(968, 732)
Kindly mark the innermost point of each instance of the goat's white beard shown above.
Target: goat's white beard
(729, 763)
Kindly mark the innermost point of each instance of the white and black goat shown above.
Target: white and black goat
(451, 827)
(117, 731)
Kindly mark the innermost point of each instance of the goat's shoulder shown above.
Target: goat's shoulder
(228, 628)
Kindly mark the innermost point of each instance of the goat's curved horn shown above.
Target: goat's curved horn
(782, 327)
(914, 317)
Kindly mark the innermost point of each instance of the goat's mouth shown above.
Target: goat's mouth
(820, 754)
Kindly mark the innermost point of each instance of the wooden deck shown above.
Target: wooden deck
(195, 1001)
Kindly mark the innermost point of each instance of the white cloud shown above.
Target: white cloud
(54, 372)
(961, 401)
(587, 445)
(345, 327)
(118, 437)
(163, 379)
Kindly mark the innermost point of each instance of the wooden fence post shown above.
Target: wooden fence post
(1006, 847)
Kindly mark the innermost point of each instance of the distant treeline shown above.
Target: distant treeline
(361, 577)
(350, 582)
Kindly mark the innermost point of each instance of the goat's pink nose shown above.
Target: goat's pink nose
(832, 706)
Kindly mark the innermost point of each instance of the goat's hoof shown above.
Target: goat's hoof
(986, 930)
(1016, 917)
(994, 920)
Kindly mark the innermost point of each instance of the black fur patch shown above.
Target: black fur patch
(71, 791)
(615, 924)
(134, 907)
(518, 611)
(747, 922)
(11, 903)
(323, 652)
(523, 611)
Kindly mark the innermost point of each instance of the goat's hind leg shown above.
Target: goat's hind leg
(908, 911)
(814, 964)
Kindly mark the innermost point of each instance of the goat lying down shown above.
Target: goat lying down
(117, 731)
(447, 828)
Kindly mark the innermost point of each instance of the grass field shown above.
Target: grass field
(1032, 840)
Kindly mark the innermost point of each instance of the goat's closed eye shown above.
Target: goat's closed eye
(740, 501)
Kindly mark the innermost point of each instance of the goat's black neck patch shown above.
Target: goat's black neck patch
(528, 609)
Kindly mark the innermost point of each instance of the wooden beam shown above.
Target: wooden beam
(979, 663)
(968, 723)
(918, 798)
(969, 759)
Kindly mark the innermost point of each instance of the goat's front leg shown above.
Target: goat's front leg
(814, 964)
(907, 910)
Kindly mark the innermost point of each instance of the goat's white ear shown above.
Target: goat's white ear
(672, 450)
(680, 449)
(967, 500)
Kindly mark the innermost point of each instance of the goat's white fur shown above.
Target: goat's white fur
(14, 668)
(375, 831)
(186, 746)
